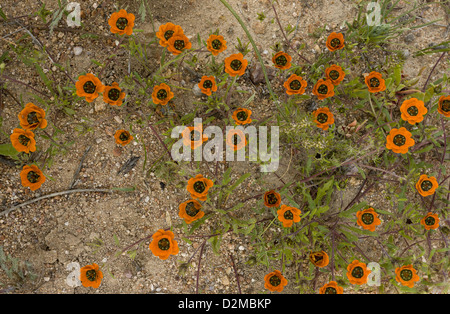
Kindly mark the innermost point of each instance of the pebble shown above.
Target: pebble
(118, 119)
(241, 248)
(77, 50)
(197, 91)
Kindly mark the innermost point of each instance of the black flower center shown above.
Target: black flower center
(317, 258)
(91, 275)
(426, 185)
(295, 85)
(430, 221)
(33, 177)
(236, 139)
(281, 60)
(164, 244)
(334, 75)
(272, 199)
(399, 140)
(335, 42)
(207, 84)
(242, 115)
(121, 23)
(114, 94)
(32, 118)
(288, 215)
(199, 187)
(179, 44)
(168, 34)
(323, 89)
(330, 290)
(445, 105)
(191, 210)
(322, 117)
(124, 136)
(216, 44)
(161, 94)
(275, 280)
(89, 87)
(406, 274)
(367, 218)
(374, 82)
(24, 140)
(195, 135)
(412, 111)
(236, 65)
(358, 272)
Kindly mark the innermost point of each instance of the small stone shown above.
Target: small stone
(225, 281)
(77, 50)
(409, 38)
(118, 119)
(197, 91)
(99, 105)
(98, 141)
(241, 248)
(259, 27)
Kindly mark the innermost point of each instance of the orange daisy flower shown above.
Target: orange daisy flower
(121, 22)
(23, 141)
(163, 244)
(272, 199)
(89, 86)
(399, 140)
(236, 139)
(357, 273)
(190, 211)
(444, 106)
(193, 136)
(32, 177)
(235, 64)
(216, 44)
(288, 215)
(242, 116)
(323, 89)
(335, 41)
(178, 43)
(295, 85)
(335, 74)
(162, 94)
(166, 31)
(430, 221)
(275, 281)
(426, 185)
(113, 95)
(324, 118)
(375, 82)
(199, 186)
(331, 288)
(368, 219)
(32, 117)
(406, 275)
(123, 137)
(413, 110)
(282, 60)
(207, 85)
(91, 276)
(319, 259)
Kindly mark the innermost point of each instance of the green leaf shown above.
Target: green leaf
(425, 149)
(322, 191)
(8, 150)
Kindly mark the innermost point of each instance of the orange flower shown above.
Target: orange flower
(89, 86)
(430, 221)
(236, 139)
(275, 281)
(357, 273)
(121, 22)
(235, 64)
(288, 215)
(335, 74)
(23, 140)
(193, 136)
(331, 288)
(166, 31)
(282, 60)
(426, 185)
(295, 85)
(335, 41)
(113, 95)
(413, 110)
(216, 44)
(178, 43)
(444, 106)
(123, 137)
(399, 140)
(368, 219)
(324, 118)
(319, 259)
(375, 82)
(207, 85)
(163, 244)
(91, 276)
(190, 211)
(323, 89)
(242, 116)
(406, 275)
(199, 186)
(162, 94)
(32, 177)
(272, 199)
(32, 117)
